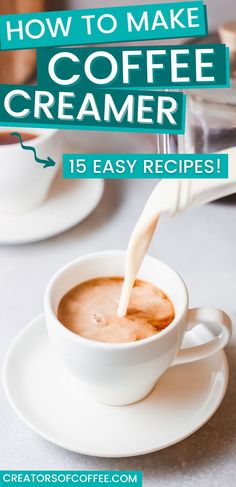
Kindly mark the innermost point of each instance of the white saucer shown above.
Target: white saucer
(69, 202)
(50, 400)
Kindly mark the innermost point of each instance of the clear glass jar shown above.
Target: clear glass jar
(210, 121)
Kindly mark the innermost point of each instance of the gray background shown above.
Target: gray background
(218, 10)
(201, 245)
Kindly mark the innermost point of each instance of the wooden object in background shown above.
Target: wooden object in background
(18, 66)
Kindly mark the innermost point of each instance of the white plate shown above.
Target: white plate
(69, 202)
(49, 399)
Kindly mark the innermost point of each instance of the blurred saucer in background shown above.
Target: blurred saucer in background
(69, 202)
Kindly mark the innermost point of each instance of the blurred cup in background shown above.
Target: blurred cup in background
(25, 183)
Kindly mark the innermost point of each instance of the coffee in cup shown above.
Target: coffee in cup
(7, 138)
(90, 310)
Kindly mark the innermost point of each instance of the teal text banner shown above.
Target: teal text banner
(122, 110)
(66, 478)
(145, 166)
(103, 25)
(188, 66)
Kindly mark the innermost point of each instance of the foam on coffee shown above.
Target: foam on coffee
(90, 310)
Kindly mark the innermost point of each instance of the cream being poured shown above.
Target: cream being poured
(170, 196)
(141, 237)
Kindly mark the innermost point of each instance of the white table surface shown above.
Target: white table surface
(201, 246)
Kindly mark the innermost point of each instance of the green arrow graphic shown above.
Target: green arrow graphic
(49, 162)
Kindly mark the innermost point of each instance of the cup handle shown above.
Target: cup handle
(218, 322)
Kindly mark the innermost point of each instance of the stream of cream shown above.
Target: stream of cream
(169, 196)
(137, 248)
(141, 238)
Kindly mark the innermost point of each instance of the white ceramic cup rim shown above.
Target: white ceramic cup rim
(42, 134)
(105, 345)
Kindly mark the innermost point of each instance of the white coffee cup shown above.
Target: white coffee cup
(25, 183)
(123, 373)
